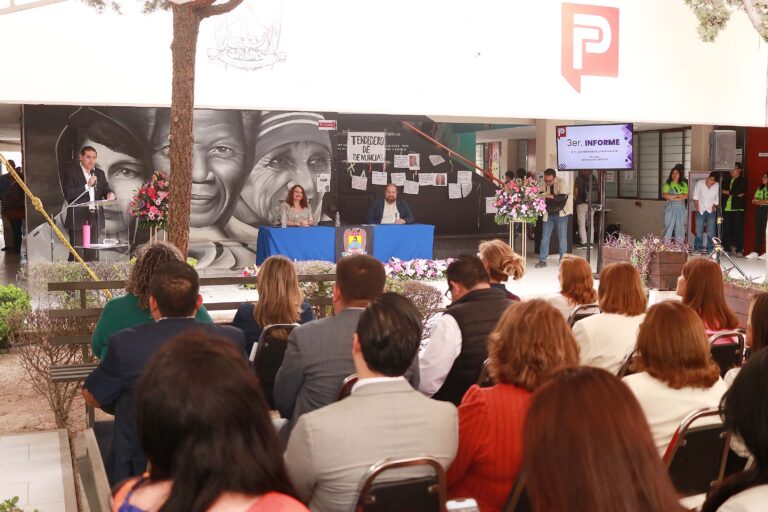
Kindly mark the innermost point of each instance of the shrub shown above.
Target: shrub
(13, 300)
(38, 275)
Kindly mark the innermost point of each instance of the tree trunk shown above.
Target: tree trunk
(186, 25)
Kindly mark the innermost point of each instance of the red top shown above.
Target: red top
(490, 445)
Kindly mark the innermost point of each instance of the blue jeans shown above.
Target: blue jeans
(546, 233)
(674, 220)
(708, 217)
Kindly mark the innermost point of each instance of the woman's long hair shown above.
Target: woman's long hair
(745, 411)
(587, 446)
(673, 347)
(289, 198)
(678, 171)
(704, 293)
(758, 321)
(204, 424)
(502, 262)
(279, 295)
(576, 282)
(620, 290)
(149, 258)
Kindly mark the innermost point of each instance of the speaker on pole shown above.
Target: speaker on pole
(722, 150)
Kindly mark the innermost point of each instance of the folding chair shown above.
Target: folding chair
(93, 476)
(267, 356)
(484, 380)
(414, 494)
(518, 500)
(582, 311)
(727, 355)
(346, 387)
(697, 455)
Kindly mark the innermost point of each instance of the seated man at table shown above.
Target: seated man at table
(389, 209)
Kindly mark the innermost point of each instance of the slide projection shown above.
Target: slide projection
(600, 146)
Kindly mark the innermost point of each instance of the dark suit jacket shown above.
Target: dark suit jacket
(376, 211)
(74, 185)
(113, 382)
(739, 187)
(317, 360)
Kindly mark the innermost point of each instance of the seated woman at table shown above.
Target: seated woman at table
(280, 301)
(132, 309)
(295, 209)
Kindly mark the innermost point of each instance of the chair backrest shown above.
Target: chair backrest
(267, 356)
(626, 365)
(346, 386)
(93, 476)
(484, 380)
(518, 500)
(697, 455)
(727, 355)
(582, 311)
(417, 494)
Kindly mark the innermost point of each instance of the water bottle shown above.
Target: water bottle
(397, 217)
(284, 218)
(337, 220)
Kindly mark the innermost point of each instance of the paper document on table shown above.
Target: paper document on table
(379, 178)
(454, 191)
(359, 183)
(411, 187)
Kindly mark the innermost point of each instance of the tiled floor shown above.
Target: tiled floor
(37, 468)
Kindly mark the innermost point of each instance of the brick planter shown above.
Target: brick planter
(738, 298)
(663, 270)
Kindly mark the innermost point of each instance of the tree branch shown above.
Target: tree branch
(755, 18)
(215, 10)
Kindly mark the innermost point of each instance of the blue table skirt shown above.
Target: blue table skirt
(406, 242)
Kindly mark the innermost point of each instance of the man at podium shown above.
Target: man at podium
(389, 209)
(83, 183)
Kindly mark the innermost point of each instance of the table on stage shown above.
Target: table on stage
(405, 241)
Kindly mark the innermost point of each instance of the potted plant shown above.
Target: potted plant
(659, 262)
(739, 294)
(150, 204)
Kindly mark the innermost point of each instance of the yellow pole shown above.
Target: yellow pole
(38, 204)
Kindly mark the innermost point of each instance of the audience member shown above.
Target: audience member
(577, 287)
(587, 448)
(318, 356)
(458, 346)
(173, 300)
(677, 374)
(280, 301)
(530, 341)
(744, 410)
(605, 339)
(384, 417)
(757, 330)
(12, 207)
(204, 426)
(132, 309)
(501, 263)
(701, 287)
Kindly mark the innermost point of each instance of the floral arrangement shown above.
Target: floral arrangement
(416, 270)
(519, 200)
(150, 203)
(644, 249)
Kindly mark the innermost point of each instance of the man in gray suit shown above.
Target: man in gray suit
(331, 448)
(318, 356)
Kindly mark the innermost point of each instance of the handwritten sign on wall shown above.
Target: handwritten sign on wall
(366, 147)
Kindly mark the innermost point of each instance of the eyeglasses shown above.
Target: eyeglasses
(448, 294)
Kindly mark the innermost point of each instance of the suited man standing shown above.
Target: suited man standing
(318, 356)
(384, 417)
(82, 177)
(174, 300)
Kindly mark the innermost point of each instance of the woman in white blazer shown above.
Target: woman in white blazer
(606, 338)
(677, 374)
(576, 285)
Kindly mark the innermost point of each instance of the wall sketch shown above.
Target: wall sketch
(246, 41)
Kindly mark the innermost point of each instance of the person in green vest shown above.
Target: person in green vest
(675, 192)
(734, 198)
(133, 308)
(761, 218)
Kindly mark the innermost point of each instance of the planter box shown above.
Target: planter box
(664, 268)
(738, 298)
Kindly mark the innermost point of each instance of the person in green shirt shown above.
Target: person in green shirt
(133, 308)
(675, 192)
(734, 194)
(761, 218)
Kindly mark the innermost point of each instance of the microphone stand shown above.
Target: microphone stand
(69, 204)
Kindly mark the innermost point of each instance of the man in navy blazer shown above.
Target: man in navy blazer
(83, 182)
(389, 209)
(173, 301)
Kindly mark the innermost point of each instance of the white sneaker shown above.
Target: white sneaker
(752, 256)
(761, 257)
